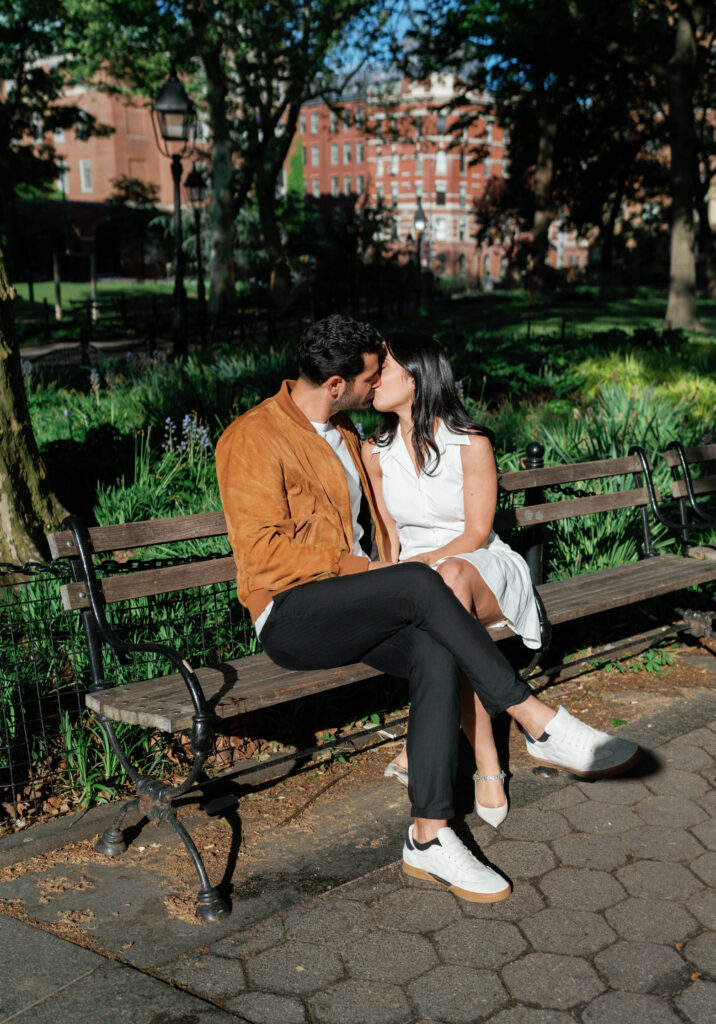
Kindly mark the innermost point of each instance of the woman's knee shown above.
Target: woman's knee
(455, 572)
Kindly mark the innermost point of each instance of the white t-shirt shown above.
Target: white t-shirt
(333, 436)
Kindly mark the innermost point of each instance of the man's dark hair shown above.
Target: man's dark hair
(336, 345)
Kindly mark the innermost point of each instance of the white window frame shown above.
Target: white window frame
(86, 175)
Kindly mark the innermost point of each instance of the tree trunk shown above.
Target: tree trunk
(222, 289)
(28, 508)
(681, 308)
(707, 242)
(548, 118)
(265, 185)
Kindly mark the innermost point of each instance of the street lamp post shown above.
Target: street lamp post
(419, 223)
(173, 120)
(195, 184)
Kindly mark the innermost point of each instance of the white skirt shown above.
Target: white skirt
(506, 574)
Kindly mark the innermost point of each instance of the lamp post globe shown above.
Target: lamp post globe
(195, 185)
(173, 117)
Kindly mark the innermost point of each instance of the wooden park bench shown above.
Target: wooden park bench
(200, 699)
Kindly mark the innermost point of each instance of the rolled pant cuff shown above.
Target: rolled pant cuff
(433, 813)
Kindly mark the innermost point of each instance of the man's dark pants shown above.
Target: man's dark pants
(405, 621)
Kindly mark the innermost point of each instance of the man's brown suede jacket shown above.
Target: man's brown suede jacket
(286, 501)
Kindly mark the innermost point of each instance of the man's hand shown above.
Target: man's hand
(379, 565)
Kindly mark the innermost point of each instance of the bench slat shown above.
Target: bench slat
(148, 582)
(551, 511)
(518, 480)
(142, 534)
(700, 485)
(702, 453)
(236, 687)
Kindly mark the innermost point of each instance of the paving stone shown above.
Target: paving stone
(212, 976)
(568, 931)
(673, 782)
(251, 940)
(265, 1008)
(618, 1007)
(701, 951)
(294, 968)
(658, 881)
(581, 889)
(614, 791)
(642, 967)
(652, 921)
(521, 858)
(670, 811)
(652, 843)
(705, 867)
(458, 995)
(533, 823)
(705, 832)
(413, 909)
(698, 1002)
(568, 796)
(703, 907)
(548, 980)
(328, 921)
(709, 774)
(604, 853)
(703, 738)
(360, 1002)
(481, 943)
(528, 1015)
(602, 818)
(382, 957)
(525, 900)
(377, 883)
(685, 755)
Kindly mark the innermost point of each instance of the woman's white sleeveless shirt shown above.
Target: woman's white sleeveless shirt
(429, 512)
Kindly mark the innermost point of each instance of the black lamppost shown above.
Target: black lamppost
(173, 120)
(195, 185)
(419, 223)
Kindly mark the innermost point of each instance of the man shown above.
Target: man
(295, 494)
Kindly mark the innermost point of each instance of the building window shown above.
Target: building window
(359, 185)
(419, 162)
(360, 117)
(488, 131)
(463, 161)
(304, 154)
(461, 262)
(315, 188)
(441, 162)
(303, 124)
(442, 124)
(441, 229)
(360, 153)
(463, 193)
(314, 156)
(394, 230)
(487, 167)
(380, 193)
(334, 186)
(334, 121)
(314, 124)
(63, 181)
(86, 175)
(440, 195)
(334, 155)
(394, 163)
(394, 193)
(346, 152)
(380, 167)
(59, 136)
(418, 127)
(347, 190)
(462, 230)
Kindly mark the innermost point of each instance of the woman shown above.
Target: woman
(435, 480)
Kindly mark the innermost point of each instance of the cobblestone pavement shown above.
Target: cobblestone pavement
(612, 919)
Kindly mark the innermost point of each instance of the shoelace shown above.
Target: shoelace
(459, 853)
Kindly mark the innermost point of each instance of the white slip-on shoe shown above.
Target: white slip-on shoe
(576, 747)
(492, 815)
(448, 862)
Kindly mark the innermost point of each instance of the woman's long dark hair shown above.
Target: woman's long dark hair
(436, 397)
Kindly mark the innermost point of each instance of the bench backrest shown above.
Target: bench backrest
(141, 582)
(699, 456)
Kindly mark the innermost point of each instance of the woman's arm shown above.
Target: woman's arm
(371, 461)
(479, 482)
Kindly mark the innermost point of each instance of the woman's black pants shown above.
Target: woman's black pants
(405, 621)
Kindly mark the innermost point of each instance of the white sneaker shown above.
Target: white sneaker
(448, 862)
(578, 748)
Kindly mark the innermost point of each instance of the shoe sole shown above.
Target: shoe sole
(603, 773)
(464, 894)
